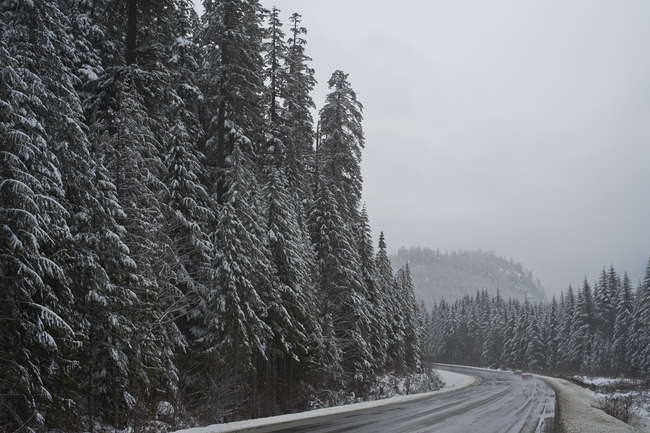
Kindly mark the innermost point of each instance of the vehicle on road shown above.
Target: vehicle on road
(526, 375)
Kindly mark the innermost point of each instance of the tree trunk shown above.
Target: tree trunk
(131, 30)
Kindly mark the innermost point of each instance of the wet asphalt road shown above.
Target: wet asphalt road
(498, 402)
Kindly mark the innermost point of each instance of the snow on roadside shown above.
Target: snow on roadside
(451, 380)
(579, 410)
(603, 381)
(629, 390)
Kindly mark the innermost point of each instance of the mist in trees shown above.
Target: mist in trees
(177, 244)
(183, 242)
(599, 329)
(454, 274)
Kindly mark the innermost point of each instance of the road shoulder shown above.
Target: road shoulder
(578, 410)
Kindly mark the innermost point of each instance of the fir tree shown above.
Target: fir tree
(236, 303)
(375, 295)
(39, 124)
(342, 294)
(188, 215)
(340, 144)
(292, 318)
(298, 106)
(552, 333)
(535, 358)
(622, 326)
(641, 358)
(127, 134)
(412, 327)
(232, 83)
(567, 317)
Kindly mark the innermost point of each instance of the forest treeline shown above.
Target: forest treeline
(452, 275)
(604, 329)
(178, 246)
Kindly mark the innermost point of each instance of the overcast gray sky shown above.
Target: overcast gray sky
(519, 127)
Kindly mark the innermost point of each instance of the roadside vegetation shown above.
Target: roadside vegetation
(627, 399)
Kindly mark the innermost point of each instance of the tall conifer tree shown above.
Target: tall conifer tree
(340, 144)
(37, 319)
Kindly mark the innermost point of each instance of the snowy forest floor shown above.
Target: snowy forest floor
(451, 381)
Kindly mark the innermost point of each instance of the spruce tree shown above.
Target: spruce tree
(235, 304)
(128, 121)
(641, 357)
(292, 318)
(232, 84)
(552, 333)
(188, 215)
(605, 293)
(569, 357)
(374, 293)
(340, 143)
(622, 326)
(42, 136)
(343, 302)
(584, 328)
(412, 327)
(298, 106)
(390, 305)
(535, 358)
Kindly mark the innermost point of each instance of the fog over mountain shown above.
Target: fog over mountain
(452, 275)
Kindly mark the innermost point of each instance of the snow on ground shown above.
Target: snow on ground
(451, 380)
(625, 388)
(579, 410)
(603, 381)
(642, 421)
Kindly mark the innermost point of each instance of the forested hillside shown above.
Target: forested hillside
(177, 245)
(600, 328)
(454, 275)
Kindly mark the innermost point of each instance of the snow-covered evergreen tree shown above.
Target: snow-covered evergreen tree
(535, 358)
(292, 318)
(343, 301)
(385, 299)
(234, 306)
(641, 325)
(622, 326)
(569, 357)
(375, 295)
(551, 332)
(188, 215)
(232, 83)
(412, 327)
(298, 106)
(340, 143)
(45, 181)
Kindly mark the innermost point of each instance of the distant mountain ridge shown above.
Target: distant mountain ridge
(453, 275)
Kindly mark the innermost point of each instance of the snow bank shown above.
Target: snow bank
(578, 410)
(451, 380)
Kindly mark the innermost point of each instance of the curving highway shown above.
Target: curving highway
(498, 402)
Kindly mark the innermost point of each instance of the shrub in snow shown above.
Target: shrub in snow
(618, 406)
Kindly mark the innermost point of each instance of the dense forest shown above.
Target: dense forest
(178, 245)
(454, 275)
(604, 329)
